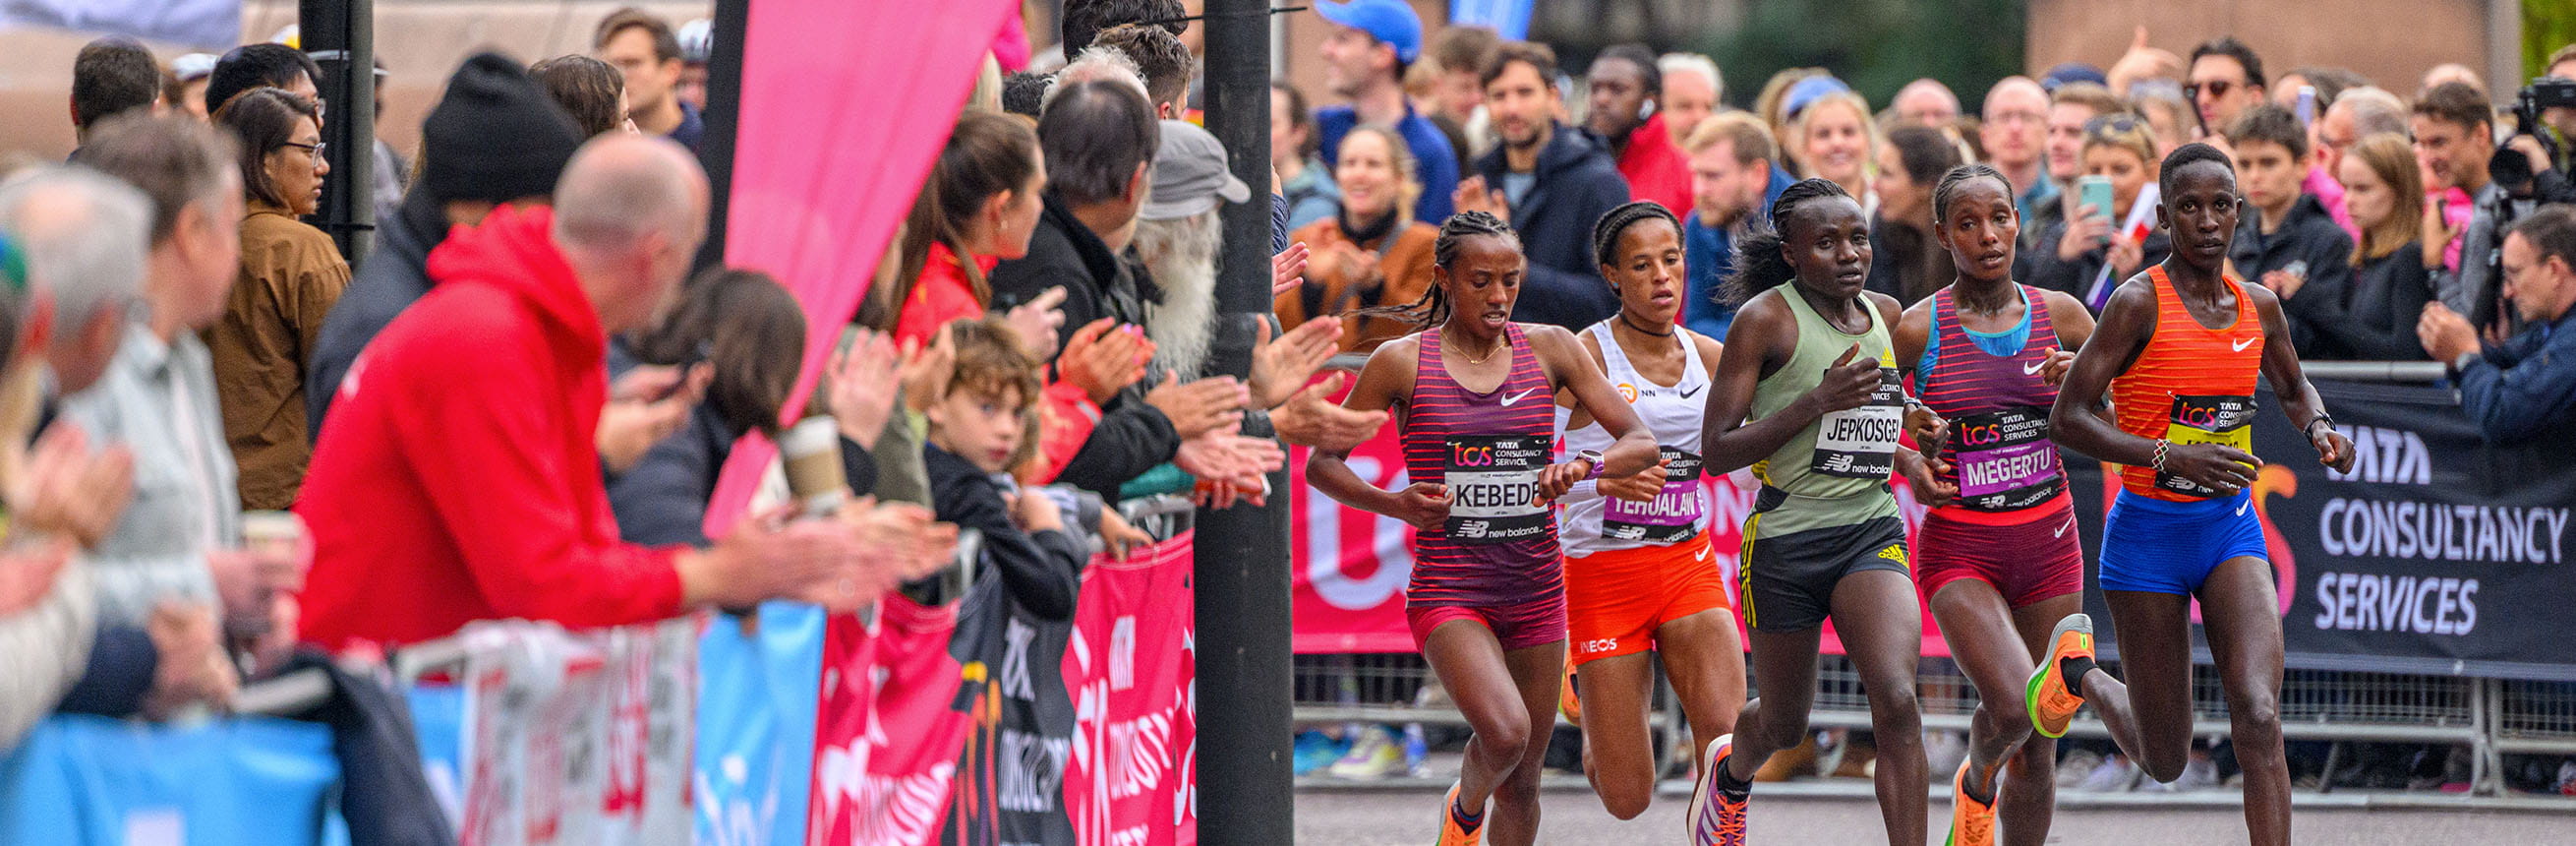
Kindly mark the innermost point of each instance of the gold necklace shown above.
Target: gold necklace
(1498, 346)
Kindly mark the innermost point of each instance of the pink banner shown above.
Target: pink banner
(1351, 566)
(887, 731)
(845, 103)
(1132, 667)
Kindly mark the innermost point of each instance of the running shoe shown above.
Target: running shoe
(1452, 832)
(1373, 755)
(1972, 823)
(2052, 706)
(1714, 819)
(1317, 750)
(1567, 705)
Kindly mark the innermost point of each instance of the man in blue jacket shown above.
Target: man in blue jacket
(1551, 183)
(2526, 386)
(1734, 181)
(1371, 44)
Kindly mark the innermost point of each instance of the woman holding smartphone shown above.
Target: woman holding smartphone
(2121, 150)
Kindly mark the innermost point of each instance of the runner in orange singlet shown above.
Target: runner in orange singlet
(2179, 347)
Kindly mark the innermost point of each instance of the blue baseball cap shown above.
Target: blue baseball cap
(1807, 91)
(2072, 72)
(1390, 21)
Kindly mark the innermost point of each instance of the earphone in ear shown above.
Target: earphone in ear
(1646, 109)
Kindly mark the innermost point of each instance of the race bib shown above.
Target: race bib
(1860, 443)
(2004, 459)
(1493, 488)
(1673, 516)
(2208, 419)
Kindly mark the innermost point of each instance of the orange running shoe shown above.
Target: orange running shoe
(1714, 819)
(1452, 833)
(1567, 704)
(2051, 704)
(1972, 823)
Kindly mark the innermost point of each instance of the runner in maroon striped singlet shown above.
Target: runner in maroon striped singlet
(1487, 598)
(1998, 558)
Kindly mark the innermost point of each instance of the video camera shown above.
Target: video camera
(2512, 169)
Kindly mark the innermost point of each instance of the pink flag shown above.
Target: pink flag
(845, 103)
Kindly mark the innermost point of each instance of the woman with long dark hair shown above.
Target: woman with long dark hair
(1471, 394)
(1807, 395)
(743, 338)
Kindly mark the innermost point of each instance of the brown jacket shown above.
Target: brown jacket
(1403, 274)
(291, 273)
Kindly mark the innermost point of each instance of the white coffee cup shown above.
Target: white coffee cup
(811, 451)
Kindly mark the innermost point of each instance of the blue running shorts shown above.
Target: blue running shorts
(2159, 546)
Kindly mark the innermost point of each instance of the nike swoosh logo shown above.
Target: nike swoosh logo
(1519, 396)
(2032, 368)
(2242, 343)
(2240, 507)
(1702, 556)
(1692, 392)
(2061, 530)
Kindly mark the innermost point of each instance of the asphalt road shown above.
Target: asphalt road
(1572, 817)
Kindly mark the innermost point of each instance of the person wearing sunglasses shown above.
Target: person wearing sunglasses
(291, 274)
(2226, 78)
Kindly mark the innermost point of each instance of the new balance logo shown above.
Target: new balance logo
(1519, 396)
(1838, 463)
(2242, 343)
(1473, 529)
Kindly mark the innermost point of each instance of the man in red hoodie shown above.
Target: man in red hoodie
(459, 479)
(1626, 88)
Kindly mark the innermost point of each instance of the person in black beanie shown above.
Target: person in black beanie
(495, 139)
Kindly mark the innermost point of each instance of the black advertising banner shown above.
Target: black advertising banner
(2437, 554)
(1010, 784)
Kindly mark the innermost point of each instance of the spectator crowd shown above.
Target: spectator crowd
(227, 451)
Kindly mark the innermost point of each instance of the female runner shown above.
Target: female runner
(1998, 557)
(1472, 395)
(1638, 574)
(2179, 350)
(1807, 395)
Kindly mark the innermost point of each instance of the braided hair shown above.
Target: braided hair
(1759, 266)
(1606, 231)
(1947, 191)
(1433, 308)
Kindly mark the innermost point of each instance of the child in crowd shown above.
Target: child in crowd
(978, 423)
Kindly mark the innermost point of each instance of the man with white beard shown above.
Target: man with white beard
(1178, 234)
